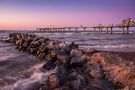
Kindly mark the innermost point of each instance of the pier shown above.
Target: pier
(124, 28)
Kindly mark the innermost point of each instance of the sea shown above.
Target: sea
(22, 71)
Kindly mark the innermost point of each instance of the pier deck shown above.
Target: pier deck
(124, 27)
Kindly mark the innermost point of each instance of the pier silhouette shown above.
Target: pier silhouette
(124, 28)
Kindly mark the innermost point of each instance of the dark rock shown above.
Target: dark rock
(26, 43)
(42, 47)
(92, 88)
(46, 50)
(73, 46)
(41, 55)
(53, 81)
(76, 53)
(96, 71)
(62, 45)
(59, 77)
(61, 70)
(76, 62)
(62, 57)
(33, 50)
(63, 88)
(79, 83)
(50, 64)
(89, 50)
(102, 84)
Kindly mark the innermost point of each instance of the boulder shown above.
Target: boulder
(53, 81)
(89, 50)
(76, 53)
(62, 57)
(61, 70)
(102, 84)
(92, 88)
(73, 46)
(129, 88)
(59, 76)
(63, 88)
(76, 62)
(79, 83)
(42, 47)
(62, 45)
(116, 69)
(33, 50)
(41, 55)
(96, 70)
(50, 64)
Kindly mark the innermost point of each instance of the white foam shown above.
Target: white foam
(24, 84)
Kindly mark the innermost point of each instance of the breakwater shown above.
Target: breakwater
(73, 68)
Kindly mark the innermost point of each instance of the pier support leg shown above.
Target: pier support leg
(76, 29)
(101, 30)
(123, 31)
(63, 29)
(94, 30)
(127, 30)
(84, 29)
(69, 29)
(107, 31)
(111, 30)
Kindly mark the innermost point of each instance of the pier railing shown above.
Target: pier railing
(124, 28)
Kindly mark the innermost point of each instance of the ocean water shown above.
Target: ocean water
(103, 42)
(21, 71)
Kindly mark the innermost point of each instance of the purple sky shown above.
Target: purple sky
(30, 14)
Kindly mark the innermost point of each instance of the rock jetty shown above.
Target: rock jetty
(75, 68)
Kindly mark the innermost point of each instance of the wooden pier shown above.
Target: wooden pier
(124, 28)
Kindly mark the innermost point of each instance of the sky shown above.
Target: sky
(32, 14)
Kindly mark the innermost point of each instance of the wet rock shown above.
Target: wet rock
(89, 50)
(76, 62)
(41, 55)
(73, 46)
(61, 70)
(46, 50)
(102, 84)
(50, 44)
(62, 57)
(116, 69)
(76, 53)
(129, 88)
(51, 54)
(50, 64)
(92, 88)
(53, 81)
(26, 43)
(63, 88)
(12, 38)
(62, 45)
(79, 83)
(59, 77)
(96, 71)
(44, 88)
(42, 47)
(33, 50)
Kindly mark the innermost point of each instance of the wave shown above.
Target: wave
(120, 47)
(37, 78)
(112, 46)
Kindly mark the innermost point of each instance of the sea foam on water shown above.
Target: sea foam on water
(35, 81)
